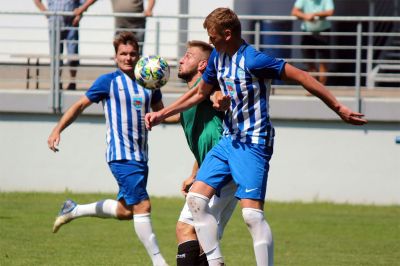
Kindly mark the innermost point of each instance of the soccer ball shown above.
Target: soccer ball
(152, 72)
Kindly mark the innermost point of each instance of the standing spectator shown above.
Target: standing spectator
(69, 29)
(134, 24)
(313, 14)
(125, 105)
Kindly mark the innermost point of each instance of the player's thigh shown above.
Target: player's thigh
(222, 204)
(250, 166)
(185, 215)
(215, 170)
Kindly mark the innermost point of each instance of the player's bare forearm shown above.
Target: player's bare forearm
(186, 101)
(176, 118)
(319, 90)
(68, 118)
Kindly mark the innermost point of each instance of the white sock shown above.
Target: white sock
(102, 209)
(261, 234)
(144, 230)
(206, 227)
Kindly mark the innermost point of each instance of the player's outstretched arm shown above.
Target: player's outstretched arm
(187, 100)
(317, 89)
(70, 115)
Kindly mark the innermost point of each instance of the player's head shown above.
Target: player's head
(223, 26)
(195, 59)
(126, 51)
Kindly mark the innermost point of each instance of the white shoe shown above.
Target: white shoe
(65, 215)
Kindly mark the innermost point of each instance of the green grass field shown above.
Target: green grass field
(304, 234)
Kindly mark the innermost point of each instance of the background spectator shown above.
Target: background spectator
(136, 25)
(69, 29)
(313, 14)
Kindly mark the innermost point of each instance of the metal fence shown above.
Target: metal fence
(364, 51)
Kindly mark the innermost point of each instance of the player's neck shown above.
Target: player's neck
(130, 74)
(234, 46)
(194, 81)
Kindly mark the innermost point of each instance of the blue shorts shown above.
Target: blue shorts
(131, 177)
(248, 164)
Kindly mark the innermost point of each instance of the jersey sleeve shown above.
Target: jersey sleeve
(100, 89)
(265, 66)
(210, 74)
(156, 97)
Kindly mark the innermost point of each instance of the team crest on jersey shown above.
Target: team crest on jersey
(240, 73)
(137, 102)
(230, 86)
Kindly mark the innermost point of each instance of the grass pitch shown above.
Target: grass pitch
(304, 234)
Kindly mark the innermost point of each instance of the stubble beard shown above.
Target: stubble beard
(188, 76)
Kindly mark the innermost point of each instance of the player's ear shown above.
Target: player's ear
(227, 34)
(202, 65)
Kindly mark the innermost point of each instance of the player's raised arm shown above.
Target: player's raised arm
(316, 88)
(70, 115)
(186, 101)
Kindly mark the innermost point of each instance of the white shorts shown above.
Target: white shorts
(221, 207)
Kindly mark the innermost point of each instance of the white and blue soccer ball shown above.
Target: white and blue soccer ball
(152, 72)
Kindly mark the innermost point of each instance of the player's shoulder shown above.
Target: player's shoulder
(255, 58)
(108, 77)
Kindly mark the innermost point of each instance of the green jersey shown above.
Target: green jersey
(202, 125)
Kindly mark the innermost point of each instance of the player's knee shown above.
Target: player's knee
(258, 226)
(185, 232)
(252, 217)
(124, 213)
(197, 203)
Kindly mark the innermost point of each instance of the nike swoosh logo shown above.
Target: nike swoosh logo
(250, 190)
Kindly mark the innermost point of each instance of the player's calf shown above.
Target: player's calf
(206, 227)
(189, 254)
(261, 234)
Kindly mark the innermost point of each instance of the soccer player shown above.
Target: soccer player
(202, 125)
(125, 105)
(244, 75)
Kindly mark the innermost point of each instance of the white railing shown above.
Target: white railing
(357, 63)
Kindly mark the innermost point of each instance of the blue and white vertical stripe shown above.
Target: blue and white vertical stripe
(246, 78)
(125, 105)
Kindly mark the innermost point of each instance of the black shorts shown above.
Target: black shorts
(317, 40)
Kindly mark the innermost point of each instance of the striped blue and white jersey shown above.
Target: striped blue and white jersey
(246, 78)
(125, 104)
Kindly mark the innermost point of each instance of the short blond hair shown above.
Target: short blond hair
(204, 47)
(223, 19)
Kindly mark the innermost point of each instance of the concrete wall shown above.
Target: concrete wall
(313, 160)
